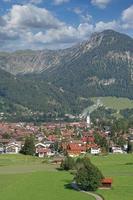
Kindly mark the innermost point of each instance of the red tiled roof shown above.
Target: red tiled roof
(88, 139)
(43, 150)
(107, 180)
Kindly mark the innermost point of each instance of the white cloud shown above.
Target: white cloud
(58, 2)
(78, 10)
(66, 34)
(100, 26)
(31, 16)
(86, 18)
(100, 3)
(127, 17)
(37, 28)
(8, 35)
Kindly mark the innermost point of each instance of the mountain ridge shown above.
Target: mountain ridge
(63, 81)
(36, 61)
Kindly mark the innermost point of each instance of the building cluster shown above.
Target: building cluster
(71, 139)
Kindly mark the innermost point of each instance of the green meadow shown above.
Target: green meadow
(25, 178)
(114, 102)
(120, 169)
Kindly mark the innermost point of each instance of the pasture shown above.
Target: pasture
(120, 168)
(114, 102)
(25, 177)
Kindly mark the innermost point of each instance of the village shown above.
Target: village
(60, 139)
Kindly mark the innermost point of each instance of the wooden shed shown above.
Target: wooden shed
(106, 183)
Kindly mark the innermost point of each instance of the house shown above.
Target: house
(48, 144)
(95, 150)
(88, 139)
(75, 149)
(1, 148)
(52, 138)
(12, 148)
(116, 149)
(106, 183)
(42, 152)
(40, 146)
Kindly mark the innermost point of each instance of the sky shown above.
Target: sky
(56, 24)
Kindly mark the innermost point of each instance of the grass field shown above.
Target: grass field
(120, 168)
(25, 178)
(115, 103)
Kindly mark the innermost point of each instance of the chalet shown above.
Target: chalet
(46, 144)
(117, 149)
(39, 148)
(74, 149)
(95, 150)
(42, 152)
(106, 183)
(13, 148)
(52, 138)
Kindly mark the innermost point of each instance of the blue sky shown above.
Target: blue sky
(41, 24)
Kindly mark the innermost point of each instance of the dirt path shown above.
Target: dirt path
(96, 196)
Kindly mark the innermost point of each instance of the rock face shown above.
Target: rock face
(111, 44)
(66, 79)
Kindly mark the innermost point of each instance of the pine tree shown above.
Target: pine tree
(29, 146)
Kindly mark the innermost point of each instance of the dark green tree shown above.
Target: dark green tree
(121, 141)
(130, 147)
(88, 176)
(101, 141)
(29, 146)
(68, 163)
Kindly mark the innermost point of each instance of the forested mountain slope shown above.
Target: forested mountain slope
(63, 81)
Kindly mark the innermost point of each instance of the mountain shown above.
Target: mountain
(102, 66)
(63, 81)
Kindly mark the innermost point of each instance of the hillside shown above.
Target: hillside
(32, 95)
(63, 81)
(103, 67)
(26, 95)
